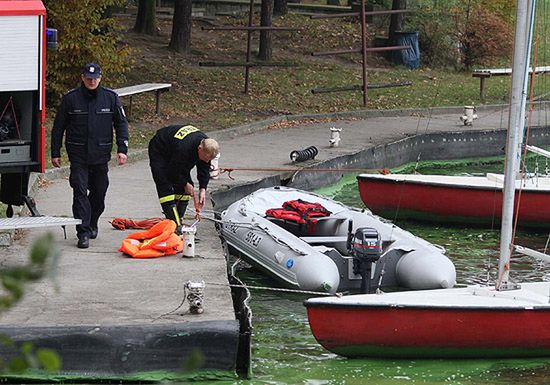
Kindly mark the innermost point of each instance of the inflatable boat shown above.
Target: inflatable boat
(309, 242)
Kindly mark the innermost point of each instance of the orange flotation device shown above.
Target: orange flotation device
(159, 241)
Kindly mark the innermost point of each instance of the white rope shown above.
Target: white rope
(278, 289)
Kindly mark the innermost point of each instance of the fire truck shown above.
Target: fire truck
(22, 98)
(23, 43)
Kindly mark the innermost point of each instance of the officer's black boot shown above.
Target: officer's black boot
(171, 212)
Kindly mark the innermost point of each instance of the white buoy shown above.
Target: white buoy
(188, 237)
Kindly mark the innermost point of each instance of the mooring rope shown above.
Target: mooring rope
(229, 170)
(194, 294)
(278, 289)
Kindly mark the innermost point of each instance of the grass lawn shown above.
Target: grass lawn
(212, 97)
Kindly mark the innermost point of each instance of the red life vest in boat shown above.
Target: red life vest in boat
(289, 215)
(301, 212)
(307, 209)
(158, 241)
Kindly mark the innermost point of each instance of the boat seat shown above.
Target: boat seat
(292, 227)
(325, 239)
(323, 226)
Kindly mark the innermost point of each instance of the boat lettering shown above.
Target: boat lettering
(232, 228)
(253, 238)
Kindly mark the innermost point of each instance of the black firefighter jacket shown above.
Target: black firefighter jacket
(174, 155)
(87, 118)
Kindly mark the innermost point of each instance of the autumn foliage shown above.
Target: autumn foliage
(463, 33)
(84, 35)
(484, 38)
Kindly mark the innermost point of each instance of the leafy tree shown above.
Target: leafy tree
(146, 18)
(265, 52)
(42, 261)
(397, 21)
(180, 40)
(280, 7)
(84, 36)
(462, 33)
(484, 37)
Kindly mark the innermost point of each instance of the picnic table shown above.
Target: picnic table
(140, 88)
(483, 74)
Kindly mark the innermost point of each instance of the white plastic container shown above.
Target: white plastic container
(188, 237)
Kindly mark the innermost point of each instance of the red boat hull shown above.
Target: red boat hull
(430, 332)
(452, 204)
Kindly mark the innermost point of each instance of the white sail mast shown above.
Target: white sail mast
(516, 124)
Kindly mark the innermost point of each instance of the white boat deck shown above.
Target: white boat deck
(490, 180)
(530, 296)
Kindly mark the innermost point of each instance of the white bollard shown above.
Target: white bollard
(188, 237)
(469, 115)
(334, 136)
(214, 167)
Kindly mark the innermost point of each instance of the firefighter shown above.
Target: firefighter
(87, 116)
(173, 152)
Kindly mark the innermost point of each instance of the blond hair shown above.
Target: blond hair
(210, 147)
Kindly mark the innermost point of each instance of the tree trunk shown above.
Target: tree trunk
(280, 7)
(397, 20)
(146, 19)
(180, 40)
(266, 17)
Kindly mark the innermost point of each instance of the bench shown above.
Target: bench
(483, 74)
(146, 87)
(34, 222)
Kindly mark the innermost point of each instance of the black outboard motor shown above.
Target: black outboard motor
(365, 247)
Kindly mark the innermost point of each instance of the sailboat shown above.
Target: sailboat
(504, 320)
(477, 200)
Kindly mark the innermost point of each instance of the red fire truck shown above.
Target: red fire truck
(23, 45)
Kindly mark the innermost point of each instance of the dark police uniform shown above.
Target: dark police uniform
(173, 153)
(87, 118)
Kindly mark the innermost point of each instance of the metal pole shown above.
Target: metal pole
(516, 125)
(364, 51)
(248, 46)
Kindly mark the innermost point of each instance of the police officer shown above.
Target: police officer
(173, 152)
(87, 116)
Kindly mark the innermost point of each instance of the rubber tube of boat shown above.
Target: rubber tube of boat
(188, 236)
(305, 154)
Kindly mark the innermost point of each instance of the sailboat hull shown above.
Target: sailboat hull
(464, 200)
(458, 323)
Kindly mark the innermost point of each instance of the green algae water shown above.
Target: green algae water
(285, 352)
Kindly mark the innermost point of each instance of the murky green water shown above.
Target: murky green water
(285, 352)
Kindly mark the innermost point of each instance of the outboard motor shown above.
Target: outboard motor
(365, 246)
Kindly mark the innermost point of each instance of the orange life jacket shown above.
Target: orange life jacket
(158, 241)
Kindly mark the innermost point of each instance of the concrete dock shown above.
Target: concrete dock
(108, 315)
